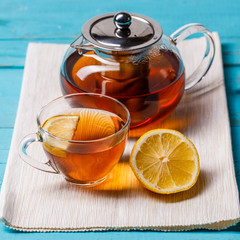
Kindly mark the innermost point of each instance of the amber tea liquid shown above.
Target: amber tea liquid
(91, 159)
(149, 89)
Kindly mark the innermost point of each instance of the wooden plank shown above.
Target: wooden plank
(14, 235)
(60, 19)
(45, 21)
(232, 82)
(5, 140)
(10, 81)
(2, 170)
(13, 53)
(231, 53)
(235, 134)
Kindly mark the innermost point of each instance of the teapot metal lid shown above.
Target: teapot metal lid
(122, 31)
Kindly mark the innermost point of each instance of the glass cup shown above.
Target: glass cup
(86, 161)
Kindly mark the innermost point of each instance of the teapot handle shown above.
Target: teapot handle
(206, 62)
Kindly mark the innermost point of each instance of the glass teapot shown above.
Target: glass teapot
(126, 56)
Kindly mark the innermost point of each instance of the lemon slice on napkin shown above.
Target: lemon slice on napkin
(165, 161)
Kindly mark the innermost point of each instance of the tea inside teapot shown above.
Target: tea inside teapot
(138, 80)
(128, 58)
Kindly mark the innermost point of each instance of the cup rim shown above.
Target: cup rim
(40, 128)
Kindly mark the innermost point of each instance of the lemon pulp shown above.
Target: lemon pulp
(165, 161)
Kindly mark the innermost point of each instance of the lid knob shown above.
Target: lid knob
(122, 20)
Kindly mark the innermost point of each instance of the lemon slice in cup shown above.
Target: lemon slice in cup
(165, 161)
(62, 126)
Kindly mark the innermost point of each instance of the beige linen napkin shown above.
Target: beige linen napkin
(32, 200)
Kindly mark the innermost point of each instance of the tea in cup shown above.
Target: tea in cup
(83, 136)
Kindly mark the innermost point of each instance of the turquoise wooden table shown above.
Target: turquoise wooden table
(60, 21)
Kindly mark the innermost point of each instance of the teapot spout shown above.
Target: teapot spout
(81, 44)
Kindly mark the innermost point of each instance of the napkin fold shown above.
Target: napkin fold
(32, 200)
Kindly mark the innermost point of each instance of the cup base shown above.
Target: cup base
(85, 184)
